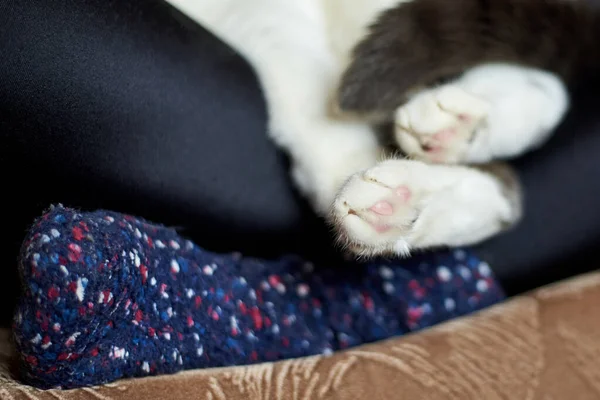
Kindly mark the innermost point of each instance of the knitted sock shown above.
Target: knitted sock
(108, 296)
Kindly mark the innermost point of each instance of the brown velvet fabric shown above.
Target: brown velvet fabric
(544, 345)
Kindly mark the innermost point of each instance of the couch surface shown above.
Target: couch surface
(543, 345)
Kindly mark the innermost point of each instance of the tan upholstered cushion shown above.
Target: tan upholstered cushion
(544, 345)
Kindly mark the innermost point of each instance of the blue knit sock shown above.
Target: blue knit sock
(108, 296)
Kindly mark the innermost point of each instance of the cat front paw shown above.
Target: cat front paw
(400, 206)
(376, 210)
(438, 125)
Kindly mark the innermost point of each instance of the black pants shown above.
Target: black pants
(130, 106)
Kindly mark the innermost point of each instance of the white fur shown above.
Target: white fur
(287, 44)
(448, 206)
(298, 50)
(512, 109)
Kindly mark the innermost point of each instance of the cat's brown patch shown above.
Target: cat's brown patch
(421, 42)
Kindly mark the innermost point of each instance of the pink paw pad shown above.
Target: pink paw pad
(403, 192)
(382, 208)
(382, 228)
(445, 135)
(433, 149)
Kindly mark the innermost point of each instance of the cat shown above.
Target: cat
(464, 83)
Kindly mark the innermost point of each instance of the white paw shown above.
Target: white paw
(402, 205)
(439, 124)
(377, 209)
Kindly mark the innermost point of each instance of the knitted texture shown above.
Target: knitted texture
(108, 296)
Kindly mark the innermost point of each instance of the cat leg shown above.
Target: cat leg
(287, 46)
(492, 111)
(404, 205)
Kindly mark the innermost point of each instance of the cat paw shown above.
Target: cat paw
(438, 125)
(376, 211)
(400, 206)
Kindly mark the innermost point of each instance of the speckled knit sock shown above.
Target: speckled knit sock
(108, 296)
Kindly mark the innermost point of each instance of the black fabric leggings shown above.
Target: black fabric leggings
(130, 106)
